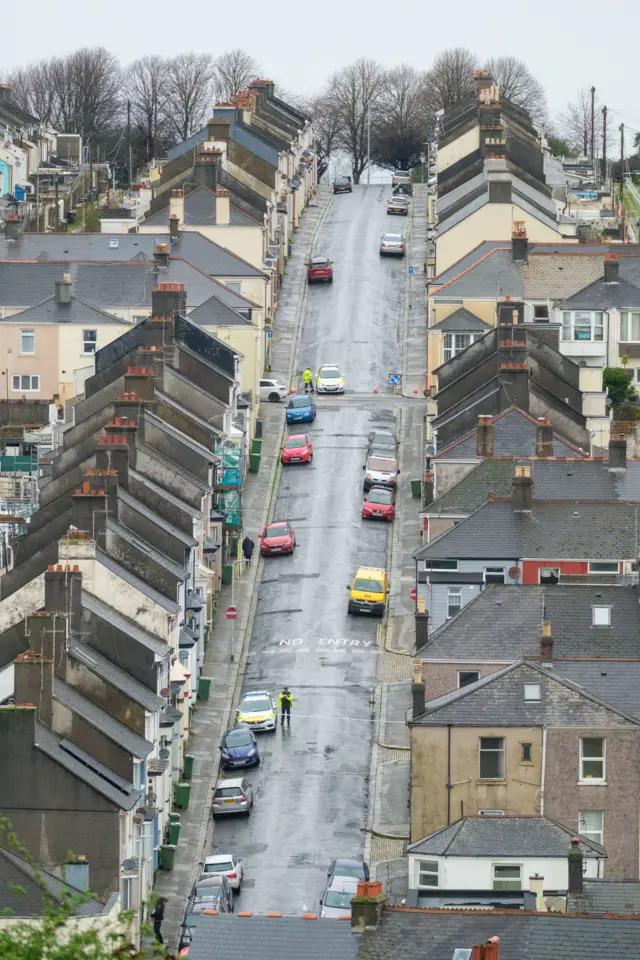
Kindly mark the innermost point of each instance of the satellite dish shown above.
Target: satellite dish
(164, 692)
(514, 573)
(164, 754)
(138, 820)
(431, 450)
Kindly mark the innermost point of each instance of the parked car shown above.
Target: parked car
(273, 390)
(296, 448)
(239, 749)
(400, 176)
(380, 471)
(189, 924)
(227, 865)
(301, 408)
(336, 901)
(368, 591)
(277, 538)
(398, 206)
(379, 503)
(392, 244)
(403, 190)
(232, 796)
(382, 439)
(258, 710)
(320, 270)
(329, 379)
(212, 890)
(345, 867)
(342, 185)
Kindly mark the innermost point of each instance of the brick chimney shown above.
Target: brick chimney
(611, 268)
(64, 289)
(576, 884)
(617, 452)
(367, 906)
(522, 489)
(421, 617)
(265, 88)
(417, 690)
(206, 168)
(33, 683)
(536, 887)
(546, 645)
(176, 205)
(484, 437)
(544, 438)
(5, 91)
(168, 300)
(174, 228)
(519, 243)
(486, 951)
(63, 593)
(484, 82)
(12, 227)
(90, 511)
(218, 130)
(161, 253)
(222, 207)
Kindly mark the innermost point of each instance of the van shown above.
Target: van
(380, 471)
(368, 591)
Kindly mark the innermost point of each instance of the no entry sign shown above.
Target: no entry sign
(414, 593)
(231, 613)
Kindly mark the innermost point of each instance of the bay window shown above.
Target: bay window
(583, 325)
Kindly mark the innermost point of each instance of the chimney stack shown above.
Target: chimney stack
(544, 438)
(484, 437)
(33, 683)
(12, 227)
(617, 452)
(222, 207)
(206, 168)
(367, 906)
(519, 243)
(576, 887)
(63, 289)
(218, 130)
(611, 268)
(522, 488)
(417, 690)
(176, 205)
(546, 645)
(174, 228)
(536, 887)
(486, 951)
(5, 91)
(63, 595)
(161, 254)
(168, 300)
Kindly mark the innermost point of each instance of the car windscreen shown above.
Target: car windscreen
(402, 173)
(222, 867)
(367, 586)
(255, 706)
(329, 373)
(339, 898)
(276, 532)
(384, 466)
(239, 739)
(228, 792)
(380, 496)
(298, 402)
(293, 444)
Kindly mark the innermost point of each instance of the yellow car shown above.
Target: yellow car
(258, 710)
(368, 591)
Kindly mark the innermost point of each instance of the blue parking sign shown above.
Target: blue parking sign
(411, 270)
(394, 379)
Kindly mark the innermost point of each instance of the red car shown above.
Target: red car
(320, 270)
(277, 538)
(379, 503)
(296, 449)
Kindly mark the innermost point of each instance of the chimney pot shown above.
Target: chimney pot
(544, 438)
(484, 437)
(576, 884)
(63, 289)
(611, 268)
(519, 243)
(617, 453)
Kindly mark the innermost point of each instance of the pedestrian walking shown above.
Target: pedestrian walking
(286, 702)
(247, 550)
(158, 916)
(307, 378)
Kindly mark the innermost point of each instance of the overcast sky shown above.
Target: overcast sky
(566, 43)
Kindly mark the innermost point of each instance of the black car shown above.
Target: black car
(211, 891)
(342, 185)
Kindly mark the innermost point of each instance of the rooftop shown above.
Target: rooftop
(514, 433)
(23, 887)
(200, 210)
(76, 311)
(460, 321)
(607, 896)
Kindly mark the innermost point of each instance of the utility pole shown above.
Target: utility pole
(57, 206)
(622, 225)
(129, 138)
(593, 123)
(604, 144)
(90, 172)
(369, 144)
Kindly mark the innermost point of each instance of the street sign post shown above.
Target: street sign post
(231, 613)
(269, 334)
(411, 270)
(394, 379)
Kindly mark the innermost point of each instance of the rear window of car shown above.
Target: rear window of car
(221, 867)
(392, 237)
(402, 173)
(228, 792)
(385, 466)
(355, 871)
(298, 402)
(319, 262)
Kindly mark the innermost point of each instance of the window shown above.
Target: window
(455, 343)
(548, 575)
(507, 876)
(465, 677)
(25, 383)
(492, 758)
(592, 758)
(629, 327)
(601, 616)
(532, 691)
(235, 286)
(592, 825)
(428, 873)
(454, 601)
(444, 564)
(27, 341)
(491, 813)
(89, 341)
(494, 575)
(127, 902)
(582, 325)
(604, 566)
(541, 311)
(526, 753)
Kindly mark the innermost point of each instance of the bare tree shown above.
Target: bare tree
(327, 126)
(518, 85)
(451, 78)
(146, 85)
(403, 119)
(33, 90)
(575, 123)
(189, 87)
(233, 71)
(354, 94)
(87, 89)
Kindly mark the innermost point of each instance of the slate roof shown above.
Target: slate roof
(575, 479)
(115, 676)
(616, 682)
(503, 837)
(119, 622)
(494, 275)
(95, 775)
(200, 210)
(22, 893)
(554, 530)
(194, 247)
(270, 938)
(177, 570)
(607, 896)
(76, 311)
(514, 435)
(498, 699)
(120, 734)
(504, 623)
(170, 605)
(156, 518)
(460, 321)
(213, 312)
(604, 296)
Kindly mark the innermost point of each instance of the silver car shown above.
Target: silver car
(398, 206)
(392, 244)
(336, 901)
(232, 796)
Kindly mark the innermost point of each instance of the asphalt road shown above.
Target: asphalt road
(311, 791)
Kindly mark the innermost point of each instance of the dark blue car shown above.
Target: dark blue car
(239, 749)
(301, 409)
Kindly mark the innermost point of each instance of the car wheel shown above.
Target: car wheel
(310, 460)
(274, 397)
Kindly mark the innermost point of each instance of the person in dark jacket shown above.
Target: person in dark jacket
(247, 550)
(158, 916)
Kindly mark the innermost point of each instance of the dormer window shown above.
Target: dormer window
(583, 325)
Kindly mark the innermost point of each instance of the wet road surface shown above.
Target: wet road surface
(311, 790)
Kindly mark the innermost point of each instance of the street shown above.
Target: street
(311, 791)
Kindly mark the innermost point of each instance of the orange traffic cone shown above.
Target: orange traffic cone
(292, 390)
(375, 388)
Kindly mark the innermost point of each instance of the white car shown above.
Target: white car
(338, 895)
(329, 379)
(273, 390)
(392, 244)
(400, 176)
(227, 864)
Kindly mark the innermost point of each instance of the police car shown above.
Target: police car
(258, 710)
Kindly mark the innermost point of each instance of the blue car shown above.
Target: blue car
(301, 409)
(239, 749)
